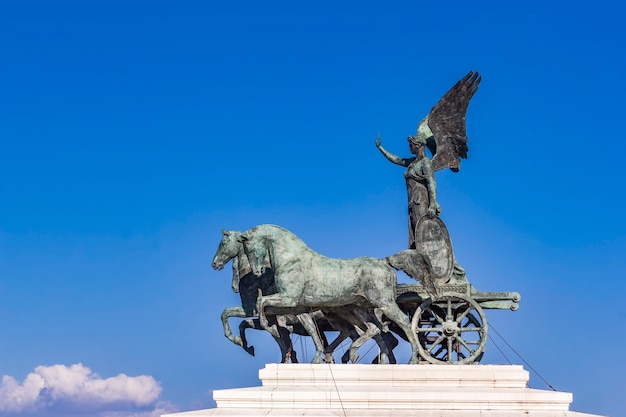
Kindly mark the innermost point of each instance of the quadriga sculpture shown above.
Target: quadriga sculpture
(304, 278)
(344, 319)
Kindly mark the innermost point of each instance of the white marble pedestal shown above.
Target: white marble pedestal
(390, 390)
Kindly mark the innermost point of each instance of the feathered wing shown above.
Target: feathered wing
(447, 122)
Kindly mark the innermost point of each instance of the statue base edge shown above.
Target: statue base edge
(391, 390)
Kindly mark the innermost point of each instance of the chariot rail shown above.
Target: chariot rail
(416, 293)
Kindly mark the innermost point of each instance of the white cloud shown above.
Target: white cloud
(77, 388)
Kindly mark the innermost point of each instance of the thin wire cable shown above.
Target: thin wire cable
(523, 360)
(330, 368)
(368, 351)
(500, 350)
(302, 348)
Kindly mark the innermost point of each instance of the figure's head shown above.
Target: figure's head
(421, 137)
(416, 140)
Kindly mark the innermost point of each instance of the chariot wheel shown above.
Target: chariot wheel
(451, 330)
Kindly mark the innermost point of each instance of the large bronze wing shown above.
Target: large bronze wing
(447, 122)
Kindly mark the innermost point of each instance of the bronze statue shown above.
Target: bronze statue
(441, 317)
(443, 132)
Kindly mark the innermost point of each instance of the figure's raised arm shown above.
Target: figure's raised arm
(391, 157)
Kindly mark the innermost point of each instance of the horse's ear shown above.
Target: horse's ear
(225, 232)
(242, 238)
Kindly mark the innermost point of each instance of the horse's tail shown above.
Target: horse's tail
(416, 265)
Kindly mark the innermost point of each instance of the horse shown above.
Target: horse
(313, 324)
(248, 285)
(304, 278)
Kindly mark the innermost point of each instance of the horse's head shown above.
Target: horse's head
(256, 252)
(229, 247)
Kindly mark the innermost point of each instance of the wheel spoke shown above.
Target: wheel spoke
(466, 345)
(470, 329)
(462, 316)
(449, 349)
(429, 329)
(436, 343)
(435, 315)
(441, 349)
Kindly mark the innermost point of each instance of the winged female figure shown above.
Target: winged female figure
(443, 132)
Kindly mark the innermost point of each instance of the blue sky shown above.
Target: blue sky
(132, 132)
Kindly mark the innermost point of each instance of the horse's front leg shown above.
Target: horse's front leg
(274, 300)
(311, 328)
(371, 331)
(385, 354)
(247, 324)
(228, 313)
(345, 330)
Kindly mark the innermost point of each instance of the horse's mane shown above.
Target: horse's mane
(278, 233)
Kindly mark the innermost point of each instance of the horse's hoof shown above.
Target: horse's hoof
(414, 361)
(354, 357)
(384, 360)
(250, 350)
(328, 358)
(317, 360)
(345, 358)
(237, 340)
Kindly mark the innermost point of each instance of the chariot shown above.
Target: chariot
(442, 316)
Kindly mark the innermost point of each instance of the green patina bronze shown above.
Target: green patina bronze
(286, 287)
